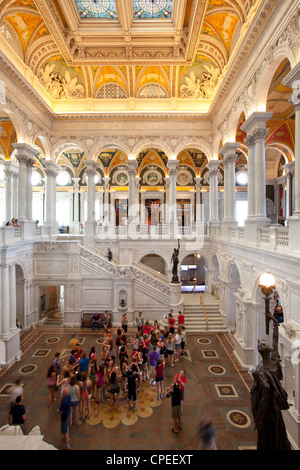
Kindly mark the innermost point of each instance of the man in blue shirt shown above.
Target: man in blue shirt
(65, 413)
(84, 363)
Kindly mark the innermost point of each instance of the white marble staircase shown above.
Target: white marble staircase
(195, 319)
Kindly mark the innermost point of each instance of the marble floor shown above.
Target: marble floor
(215, 385)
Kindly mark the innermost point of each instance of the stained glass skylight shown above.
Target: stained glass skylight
(152, 9)
(97, 9)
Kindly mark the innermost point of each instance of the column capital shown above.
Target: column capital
(172, 165)
(260, 134)
(213, 167)
(76, 181)
(229, 152)
(24, 152)
(51, 168)
(91, 167)
(257, 120)
(132, 166)
(11, 167)
(249, 141)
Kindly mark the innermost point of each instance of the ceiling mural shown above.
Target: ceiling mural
(7, 136)
(198, 80)
(67, 76)
(61, 81)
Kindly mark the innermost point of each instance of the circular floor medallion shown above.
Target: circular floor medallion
(27, 369)
(52, 340)
(238, 418)
(204, 341)
(217, 370)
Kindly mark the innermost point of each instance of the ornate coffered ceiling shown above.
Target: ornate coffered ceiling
(128, 52)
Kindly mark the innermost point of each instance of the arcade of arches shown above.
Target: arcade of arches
(192, 143)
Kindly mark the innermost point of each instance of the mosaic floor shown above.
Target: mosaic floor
(215, 385)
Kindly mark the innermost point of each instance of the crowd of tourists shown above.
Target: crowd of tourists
(124, 362)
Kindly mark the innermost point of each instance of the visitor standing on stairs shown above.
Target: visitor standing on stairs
(180, 319)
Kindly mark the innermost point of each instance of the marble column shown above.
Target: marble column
(13, 297)
(90, 223)
(14, 194)
(250, 142)
(91, 170)
(255, 127)
(5, 300)
(260, 173)
(213, 167)
(172, 165)
(75, 222)
(106, 211)
(132, 166)
(8, 190)
(29, 167)
(229, 157)
(51, 171)
(198, 218)
(292, 79)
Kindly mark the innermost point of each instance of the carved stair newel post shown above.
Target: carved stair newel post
(213, 167)
(51, 170)
(229, 157)
(91, 168)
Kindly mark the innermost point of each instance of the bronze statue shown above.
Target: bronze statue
(175, 261)
(269, 398)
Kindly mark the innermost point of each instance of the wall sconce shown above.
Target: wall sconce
(267, 285)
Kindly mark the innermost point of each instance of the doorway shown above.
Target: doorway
(153, 211)
(51, 304)
(184, 212)
(121, 210)
(193, 273)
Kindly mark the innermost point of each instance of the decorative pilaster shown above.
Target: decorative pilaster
(198, 218)
(25, 156)
(250, 142)
(106, 211)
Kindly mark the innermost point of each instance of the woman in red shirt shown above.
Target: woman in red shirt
(180, 319)
(171, 322)
(160, 378)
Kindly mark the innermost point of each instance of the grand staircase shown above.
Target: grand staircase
(195, 319)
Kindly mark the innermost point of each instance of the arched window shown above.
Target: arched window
(110, 91)
(152, 90)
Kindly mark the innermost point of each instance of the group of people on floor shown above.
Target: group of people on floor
(125, 361)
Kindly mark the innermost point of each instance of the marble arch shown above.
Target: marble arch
(267, 75)
(45, 143)
(195, 144)
(64, 146)
(152, 144)
(16, 120)
(233, 121)
(99, 148)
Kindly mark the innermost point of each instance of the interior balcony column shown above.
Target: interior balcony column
(172, 165)
(106, 211)
(24, 155)
(289, 167)
(229, 158)
(250, 142)
(213, 167)
(51, 171)
(29, 167)
(132, 166)
(14, 194)
(10, 169)
(90, 223)
(255, 127)
(198, 218)
(75, 222)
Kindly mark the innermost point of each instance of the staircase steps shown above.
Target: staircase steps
(195, 320)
